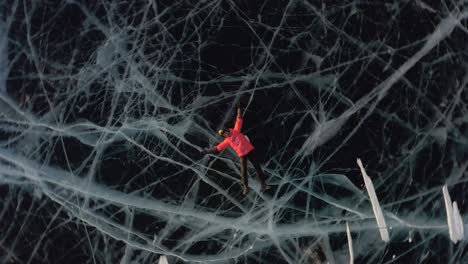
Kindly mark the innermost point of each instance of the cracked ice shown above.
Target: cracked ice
(106, 105)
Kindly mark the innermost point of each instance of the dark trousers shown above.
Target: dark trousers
(243, 169)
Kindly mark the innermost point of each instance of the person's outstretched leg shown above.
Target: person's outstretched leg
(243, 174)
(258, 169)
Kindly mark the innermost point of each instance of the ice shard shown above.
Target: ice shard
(454, 220)
(163, 260)
(350, 244)
(375, 204)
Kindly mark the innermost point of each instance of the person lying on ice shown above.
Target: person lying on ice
(239, 142)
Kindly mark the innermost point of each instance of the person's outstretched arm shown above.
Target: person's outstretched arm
(206, 151)
(239, 121)
(223, 145)
(218, 148)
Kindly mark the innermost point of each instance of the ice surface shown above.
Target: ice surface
(3, 56)
(106, 105)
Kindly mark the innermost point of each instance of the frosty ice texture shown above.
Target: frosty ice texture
(104, 107)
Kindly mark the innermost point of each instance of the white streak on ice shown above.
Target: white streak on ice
(454, 221)
(163, 260)
(350, 244)
(458, 221)
(375, 204)
(448, 208)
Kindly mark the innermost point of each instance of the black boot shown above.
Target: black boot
(245, 190)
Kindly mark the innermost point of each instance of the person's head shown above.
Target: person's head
(224, 132)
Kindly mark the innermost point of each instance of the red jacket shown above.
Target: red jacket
(236, 140)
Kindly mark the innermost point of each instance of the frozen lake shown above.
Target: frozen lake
(358, 112)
